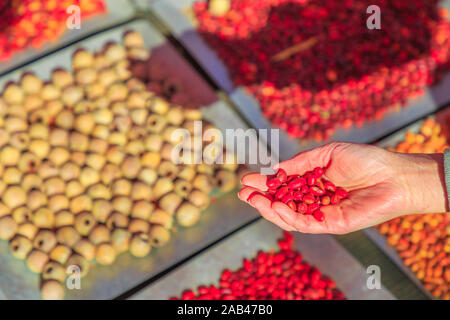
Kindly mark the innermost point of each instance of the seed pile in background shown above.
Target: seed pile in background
(86, 168)
(423, 241)
(314, 66)
(281, 275)
(31, 23)
(305, 194)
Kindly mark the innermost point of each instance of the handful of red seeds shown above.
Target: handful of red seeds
(304, 194)
(281, 275)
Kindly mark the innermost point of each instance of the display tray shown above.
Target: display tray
(322, 251)
(117, 11)
(373, 233)
(387, 249)
(226, 214)
(175, 14)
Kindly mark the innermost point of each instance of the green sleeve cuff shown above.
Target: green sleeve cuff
(447, 172)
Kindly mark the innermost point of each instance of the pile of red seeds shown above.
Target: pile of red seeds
(346, 74)
(32, 23)
(304, 194)
(281, 275)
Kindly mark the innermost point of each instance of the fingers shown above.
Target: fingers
(300, 222)
(245, 193)
(255, 180)
(308, 160)
(262, 204)
(335, 220)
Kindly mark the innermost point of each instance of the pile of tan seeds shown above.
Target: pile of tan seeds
(86, 170)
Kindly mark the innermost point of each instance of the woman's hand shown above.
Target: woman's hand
(382, 185)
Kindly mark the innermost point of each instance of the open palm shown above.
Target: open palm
(377, 181)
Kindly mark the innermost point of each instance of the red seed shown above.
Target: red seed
(311, 179)
(188, 295)
(304, 189)
(329, 186)
(335, 199)
(281, 175)
(318, 215)
(308, 198)
(312, 207)
(318, 172)
(325, 200)
(225, 274)
(319, 183)
(302, 207)
(315, 190)
(298, 195)
(297, 183)
(273, 183)
(288, 237)
(203, 289)
(287, 198)
(292, 205)
(281, 193)
(341, 192)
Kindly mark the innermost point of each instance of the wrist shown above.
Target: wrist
(424, 180)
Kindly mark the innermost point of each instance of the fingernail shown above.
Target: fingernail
(253, 194)
(252, 199)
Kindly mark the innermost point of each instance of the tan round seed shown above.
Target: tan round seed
(45, 241)
(28, 230)
(187, 215)
(77, 264)
(9, 156)
(105, 254)
(99, 234)
(140, 245)
(8, 227)
(159, 236)
(64, 218)
(61, 78)
(101, 210)
(54, 271)
(120, 240)
(84, 223)
(30, 83)
(85, 248)
(81, 203)
(20, 246)
(14, 197)
(82, 59)
(67, 235)
(162, 218)
(60, 253)
(52, 290)
(170, 202)
(139, 226)
(22, 215)
(36, 260)
(117, 220)
(199, 199)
